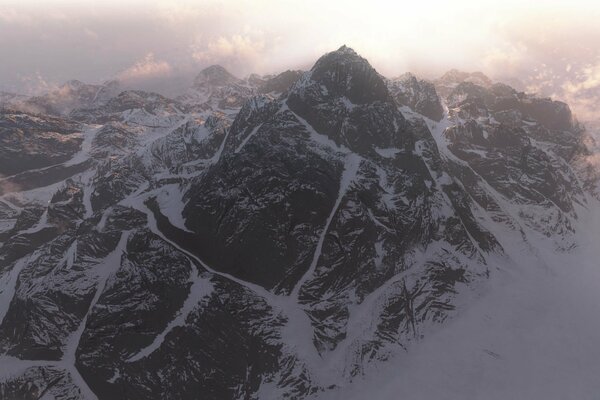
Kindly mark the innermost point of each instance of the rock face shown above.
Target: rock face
(419, 95)
(30, 142)
(280, 83)
(216, 89)
(34, 150)
(447, 82)
(525, 148)
(270, 237)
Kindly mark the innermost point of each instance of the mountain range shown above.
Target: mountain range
(268, 237)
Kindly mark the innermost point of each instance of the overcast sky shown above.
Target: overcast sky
(551, 46)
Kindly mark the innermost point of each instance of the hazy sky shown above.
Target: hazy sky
(551, 46)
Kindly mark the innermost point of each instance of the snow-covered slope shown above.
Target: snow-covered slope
(283, 237)
(533, 335)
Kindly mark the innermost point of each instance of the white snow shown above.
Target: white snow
(71, 255)
(533, 336)
(389, 152)
(170, 202)
(86, 146)
(362, 319)
(247, 138)
(88, 188)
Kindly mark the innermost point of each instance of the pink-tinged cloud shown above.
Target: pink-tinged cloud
(145, 69)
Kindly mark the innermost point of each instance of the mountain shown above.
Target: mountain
(71, 95)
(216, 89)
(447, 82)
(273, 237)
(214, 75)
(8, 99)
(278, 84)
(416, 94)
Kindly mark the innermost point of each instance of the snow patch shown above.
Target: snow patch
(86, 146)
(247, 138)
(170, 202)
(389, 152)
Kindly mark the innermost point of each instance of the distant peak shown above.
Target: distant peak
(215, 75)
(73, 84)
(215, 68)
(407, 76)
(456, 76)
(113, 83)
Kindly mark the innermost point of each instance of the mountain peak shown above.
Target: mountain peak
(73, 84)
(346, 49)
(343, 54)
(345, 73)
(455, 76)
(214, 75)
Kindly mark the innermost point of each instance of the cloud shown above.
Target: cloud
(554, 53)
(233, 51)
(35, 84)
(551, 47)
(145, 69)
(90, 33)
(13, 16)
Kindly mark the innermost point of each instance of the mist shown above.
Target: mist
(545, 48)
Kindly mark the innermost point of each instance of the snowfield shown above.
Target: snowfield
(534, 335)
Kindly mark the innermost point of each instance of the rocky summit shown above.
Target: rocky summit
(272, 237)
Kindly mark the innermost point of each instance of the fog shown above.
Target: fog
(547, 47)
